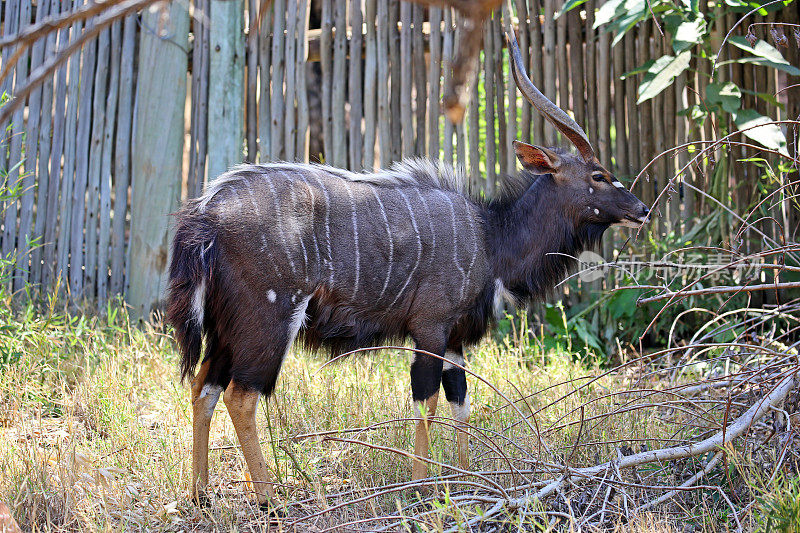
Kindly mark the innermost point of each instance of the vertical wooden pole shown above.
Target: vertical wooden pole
(45, 183)
(434, 82)
(420, 81)
(488, 85)
(29, 180)
(157, 154)
(95, 160)
(604, 99)
(277, 78)
(645, 115)
(549, 66)
(474, 140)
(225, 86)
(591, 73)
(10, 26)
(511, 107)
(16, 178)
(302, 84)
(199, 119)
(339, 156)
(621, 144)
(447, 59)
(370, 85)
(265, 85)
(290, 61)
(576, 38)
(104, 216)
(122, 155)
(536, 70)
(251, 51)
(70, 153)
(51, 234)
(634, 164)
(355, 85)
(562, 64)
(77, 257)
(384, 112)
(406, 80)
(499, 92)
(525, 48)
(395, 62)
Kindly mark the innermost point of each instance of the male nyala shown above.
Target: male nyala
(347, 260)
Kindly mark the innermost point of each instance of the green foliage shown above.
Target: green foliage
(781, 507)
(690, 32)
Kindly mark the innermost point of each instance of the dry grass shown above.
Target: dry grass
(95, 434)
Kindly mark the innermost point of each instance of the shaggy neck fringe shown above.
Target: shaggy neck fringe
(533, 237)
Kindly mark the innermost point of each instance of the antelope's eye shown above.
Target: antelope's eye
(598, 177)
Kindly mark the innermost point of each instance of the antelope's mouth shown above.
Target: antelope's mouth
(632, 222)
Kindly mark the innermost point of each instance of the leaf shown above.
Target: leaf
(766, 55)
(727, 95)
(769, 135)
(606, 12)
(688, 34)
(638, 70)
(660, 75)
(569, 4)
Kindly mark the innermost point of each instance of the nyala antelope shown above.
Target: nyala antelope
(345, 260)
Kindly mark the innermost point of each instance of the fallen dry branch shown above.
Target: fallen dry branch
(713, 416)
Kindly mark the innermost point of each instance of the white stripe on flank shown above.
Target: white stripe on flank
(278, 223)
(391, 244)
(617, 184)
(355, 238)
(429, 218)
(313, 233)
(198, 303)
(257, 209)
(474, 246)
(455, 242)
(419, 249)
(329, 259)
(300, 235)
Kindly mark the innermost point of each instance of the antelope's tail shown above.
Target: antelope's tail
(194, 253)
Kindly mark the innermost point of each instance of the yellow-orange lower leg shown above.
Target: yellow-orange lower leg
(419, 469)
(241, 404)
(204, 399)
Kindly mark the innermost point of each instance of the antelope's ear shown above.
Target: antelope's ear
(536, 159)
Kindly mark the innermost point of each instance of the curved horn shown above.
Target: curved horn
(560, 119)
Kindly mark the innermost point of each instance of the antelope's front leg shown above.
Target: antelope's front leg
(454, 383)
(426, 376)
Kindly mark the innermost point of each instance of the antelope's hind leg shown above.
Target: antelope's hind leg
(242, 403)
(204, 399)
(426, 377)
(256, 362)
(454, 383)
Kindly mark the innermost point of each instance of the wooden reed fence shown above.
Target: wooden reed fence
(160, 102)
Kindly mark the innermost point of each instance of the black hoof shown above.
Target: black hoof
(202, 500)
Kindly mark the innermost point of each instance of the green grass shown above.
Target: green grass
(95, 432)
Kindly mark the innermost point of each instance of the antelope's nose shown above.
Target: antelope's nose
(644, 213)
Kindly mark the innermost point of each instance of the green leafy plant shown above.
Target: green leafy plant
(693, 41)
(781, 507)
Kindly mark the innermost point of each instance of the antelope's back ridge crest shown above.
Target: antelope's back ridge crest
(414, 172)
